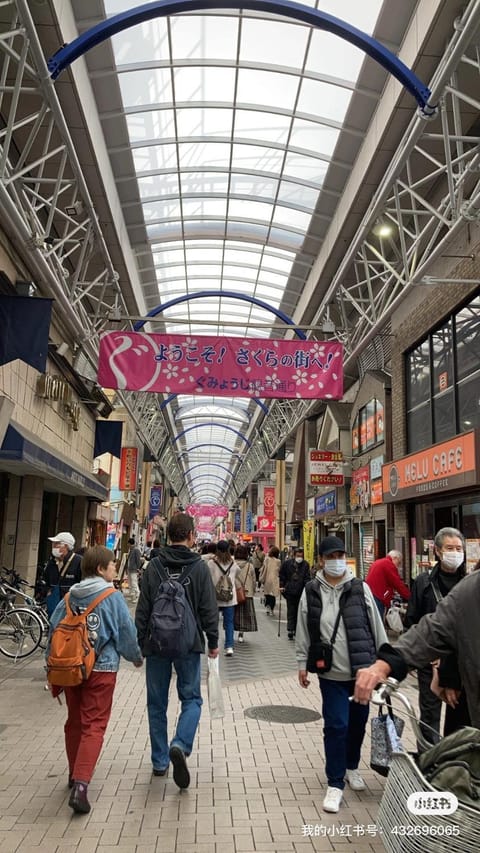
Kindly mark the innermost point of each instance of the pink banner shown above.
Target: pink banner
(220, 366)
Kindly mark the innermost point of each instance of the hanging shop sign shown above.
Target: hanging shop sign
(376, 492)
(452, 464)
(326, 468)
(326, 503)
(128, 469)
(155, 501)
(309, 541)
(360, 488)
(247, 367)
(265, 524)
(269, 501)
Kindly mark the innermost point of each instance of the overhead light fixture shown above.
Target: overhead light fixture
(328, 326)
(75, 209)
(63, 348)
(383, 229)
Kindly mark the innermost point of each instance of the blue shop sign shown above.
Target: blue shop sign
(326, 503)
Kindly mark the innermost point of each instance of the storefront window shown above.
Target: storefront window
(368, 427)
(467, 331)
(469, 402)
(443, 380)
(419, 425)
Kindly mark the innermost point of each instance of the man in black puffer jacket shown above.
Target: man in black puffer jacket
(294, 574)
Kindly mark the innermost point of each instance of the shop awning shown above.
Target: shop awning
(22, 453)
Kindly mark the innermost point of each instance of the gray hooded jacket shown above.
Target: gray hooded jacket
(341, 668)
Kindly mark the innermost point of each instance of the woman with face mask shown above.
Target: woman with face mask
(338, 627)
(428, 589)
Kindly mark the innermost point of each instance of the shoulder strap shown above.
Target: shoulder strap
(98, 599)
(181, 578)
(92, 605)
(335, 627)
(65, 567)
(436, 590)
(223, 571)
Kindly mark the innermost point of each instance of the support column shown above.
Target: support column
(243, 515)
(280, 504)
(27, 534)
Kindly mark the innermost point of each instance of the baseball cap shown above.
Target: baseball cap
(331, 544)
(65, 538)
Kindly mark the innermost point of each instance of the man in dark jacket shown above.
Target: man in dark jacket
(62, 569)
(453, 628)
(177, 558)
(428, 589)
(294, 574)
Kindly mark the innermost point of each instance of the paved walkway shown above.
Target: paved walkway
(255, 786)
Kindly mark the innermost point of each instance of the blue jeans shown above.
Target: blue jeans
(159, 673)
(228, 614)
(343, 731)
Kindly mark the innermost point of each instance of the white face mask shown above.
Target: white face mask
(56, 553)
(299, 559)
(336, 567)
(452, 559)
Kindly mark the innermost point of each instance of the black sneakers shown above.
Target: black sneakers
(157, 772)
(181, 776)
(78, 798)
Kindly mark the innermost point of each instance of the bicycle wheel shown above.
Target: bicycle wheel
(41, 614)
(20, 633)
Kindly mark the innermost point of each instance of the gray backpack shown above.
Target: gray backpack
(224, 586)
(172, 626)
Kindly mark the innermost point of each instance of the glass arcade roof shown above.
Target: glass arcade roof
(233, 121)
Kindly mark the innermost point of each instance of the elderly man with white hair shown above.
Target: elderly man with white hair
(384, 580)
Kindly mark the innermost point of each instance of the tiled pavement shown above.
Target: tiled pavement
(256, 786)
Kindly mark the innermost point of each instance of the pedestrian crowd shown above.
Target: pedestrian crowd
(335, 619)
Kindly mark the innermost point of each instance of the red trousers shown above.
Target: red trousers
(89, 707)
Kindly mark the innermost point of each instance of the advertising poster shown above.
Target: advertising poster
(309, 541)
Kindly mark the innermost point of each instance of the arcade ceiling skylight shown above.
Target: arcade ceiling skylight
(233, 120)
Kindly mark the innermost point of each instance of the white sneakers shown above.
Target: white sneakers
(334, 796)
(241, 638)
(355, 781)
(229, 652)
(332, 800)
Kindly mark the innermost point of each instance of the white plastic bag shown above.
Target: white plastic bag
(214, 687)
(394, 620)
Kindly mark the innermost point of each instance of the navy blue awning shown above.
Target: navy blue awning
(23, 453)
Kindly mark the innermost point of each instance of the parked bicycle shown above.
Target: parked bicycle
(22, 629)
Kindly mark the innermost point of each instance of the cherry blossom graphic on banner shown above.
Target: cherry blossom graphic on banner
(222, 366)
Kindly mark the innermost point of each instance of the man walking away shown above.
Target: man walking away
(294, 574)
(384, 580)
(134, 564)
(177, 559)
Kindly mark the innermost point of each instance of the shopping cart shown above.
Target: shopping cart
(405, 832)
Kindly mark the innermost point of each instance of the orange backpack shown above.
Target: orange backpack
(72, 656)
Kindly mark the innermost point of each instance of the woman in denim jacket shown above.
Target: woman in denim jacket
(112, 632)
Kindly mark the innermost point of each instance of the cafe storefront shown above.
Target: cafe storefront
(440, 486)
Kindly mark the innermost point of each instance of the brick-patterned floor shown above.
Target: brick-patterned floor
(255, 786)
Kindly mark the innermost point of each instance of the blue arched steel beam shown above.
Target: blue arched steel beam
(207, 478)
(209, 465)
(206, 444)
(313, 17)
(209, 424)
(232, 294)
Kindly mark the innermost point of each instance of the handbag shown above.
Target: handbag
(241, 594)
(214, 687)
(320, 653)
(394, 620)
(386, 731)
